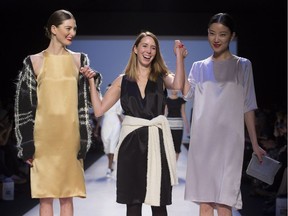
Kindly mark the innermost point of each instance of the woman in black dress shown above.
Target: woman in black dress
(146, 160)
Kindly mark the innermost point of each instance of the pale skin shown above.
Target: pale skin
(61, 37)
(145, 51)
(219, 37)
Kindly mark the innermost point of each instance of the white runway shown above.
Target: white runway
(101, 195)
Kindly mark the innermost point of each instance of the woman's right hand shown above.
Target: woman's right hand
(180, 49)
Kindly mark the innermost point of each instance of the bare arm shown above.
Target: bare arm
(250, 124)
(186, 87)
(177, 81)
(111, 96)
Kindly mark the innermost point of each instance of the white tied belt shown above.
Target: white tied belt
(130, 124)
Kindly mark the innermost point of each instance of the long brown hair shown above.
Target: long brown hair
(158, 65)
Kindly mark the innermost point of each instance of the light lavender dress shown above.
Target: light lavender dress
(222, 92)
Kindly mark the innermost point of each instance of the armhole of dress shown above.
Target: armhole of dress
(160, 83)
(82, 59)
(123, 84)
(30, 63)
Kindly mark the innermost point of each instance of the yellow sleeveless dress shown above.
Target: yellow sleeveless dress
(56, 171)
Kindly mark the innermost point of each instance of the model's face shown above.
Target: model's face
(65, 32)
(146, 51)
(219, 37)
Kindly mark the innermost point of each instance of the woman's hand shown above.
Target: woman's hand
(87, 72)
(259, 152)
(180, 49)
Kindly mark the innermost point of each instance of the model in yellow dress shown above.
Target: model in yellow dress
(52, 124)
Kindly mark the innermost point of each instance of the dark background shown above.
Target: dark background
(261, 32)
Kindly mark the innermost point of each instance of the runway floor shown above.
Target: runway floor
(101, 194)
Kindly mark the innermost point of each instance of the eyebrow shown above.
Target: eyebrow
(219, 32)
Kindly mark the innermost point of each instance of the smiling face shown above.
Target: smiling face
(221, 30)
(65, 32)
(219, 37)
(146, 51)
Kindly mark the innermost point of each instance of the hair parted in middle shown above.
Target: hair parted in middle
(158, 65)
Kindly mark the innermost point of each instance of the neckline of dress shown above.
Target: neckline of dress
(222, 60)
(45, 52)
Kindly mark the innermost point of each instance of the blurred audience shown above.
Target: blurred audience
(272, 135)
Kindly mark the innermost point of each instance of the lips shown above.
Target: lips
(146, 57)
(216, 45)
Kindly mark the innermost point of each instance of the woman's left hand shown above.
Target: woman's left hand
(259, 152)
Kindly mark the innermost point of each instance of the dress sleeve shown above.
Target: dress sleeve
(250, 102)
(25, 109)
(192, 82)
(182, 101)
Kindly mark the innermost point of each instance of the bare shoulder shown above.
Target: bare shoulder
(74, 53)
(36, 57)
(113, 93)
(117, 82)
(37, 62)
(120, 76)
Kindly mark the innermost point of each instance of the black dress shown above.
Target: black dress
(132, 155)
